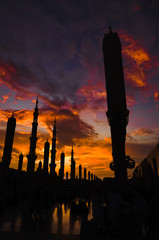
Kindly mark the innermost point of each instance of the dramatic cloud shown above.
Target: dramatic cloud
(141, 132)
(53, 49)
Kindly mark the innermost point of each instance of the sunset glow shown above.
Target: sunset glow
(60, 60)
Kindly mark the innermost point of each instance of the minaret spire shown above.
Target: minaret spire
(37, 101)
(53, 151)
(72, 153)
(33, 139)
(110, 29)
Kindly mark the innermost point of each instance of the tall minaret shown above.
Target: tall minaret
(8, 142)
(20, 162)
(89, 175)
(33, 139)
(72, 165)
(80, 172)
(53, 151)
(117, 113)
(85, 174)
(62, 164)
(46, 157)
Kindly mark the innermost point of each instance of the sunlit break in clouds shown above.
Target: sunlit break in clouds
(53, 50)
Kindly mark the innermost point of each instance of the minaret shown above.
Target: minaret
(61, 171)
(39, 169)
(46, 157)
(6, 159)
(33, 139)
(89, 177)
(72, 165)
(80, 172)
(84, 173)
(20, 162)
(53, 151)
(117, 113)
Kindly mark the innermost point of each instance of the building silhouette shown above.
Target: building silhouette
(6, 159)
(72, 165)
(53, 151)
(20, 164)
(84, 173)
(148, 169)
(33, 139)
(62, 164)
(117, 113)
(80, 172)
(46, 157)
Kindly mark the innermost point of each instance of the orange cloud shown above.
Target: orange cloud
(92, 96)
(5, 98)
(156, 96)
(141, 132)
(139, 59)
(130, 100)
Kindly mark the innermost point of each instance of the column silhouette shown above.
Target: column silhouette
(7, 152)
(117, 113)
(33, 139)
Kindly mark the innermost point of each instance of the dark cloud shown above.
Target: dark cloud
(55, 46)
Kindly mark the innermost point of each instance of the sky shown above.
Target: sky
(53, 49)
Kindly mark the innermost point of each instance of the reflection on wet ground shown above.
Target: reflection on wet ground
(57, 220)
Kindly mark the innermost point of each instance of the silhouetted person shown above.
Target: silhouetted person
(33, 139)
(66, 175)
(46, 157)
(6, 159)
(20, 164)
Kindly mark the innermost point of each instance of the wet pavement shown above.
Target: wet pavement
(58, 222)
